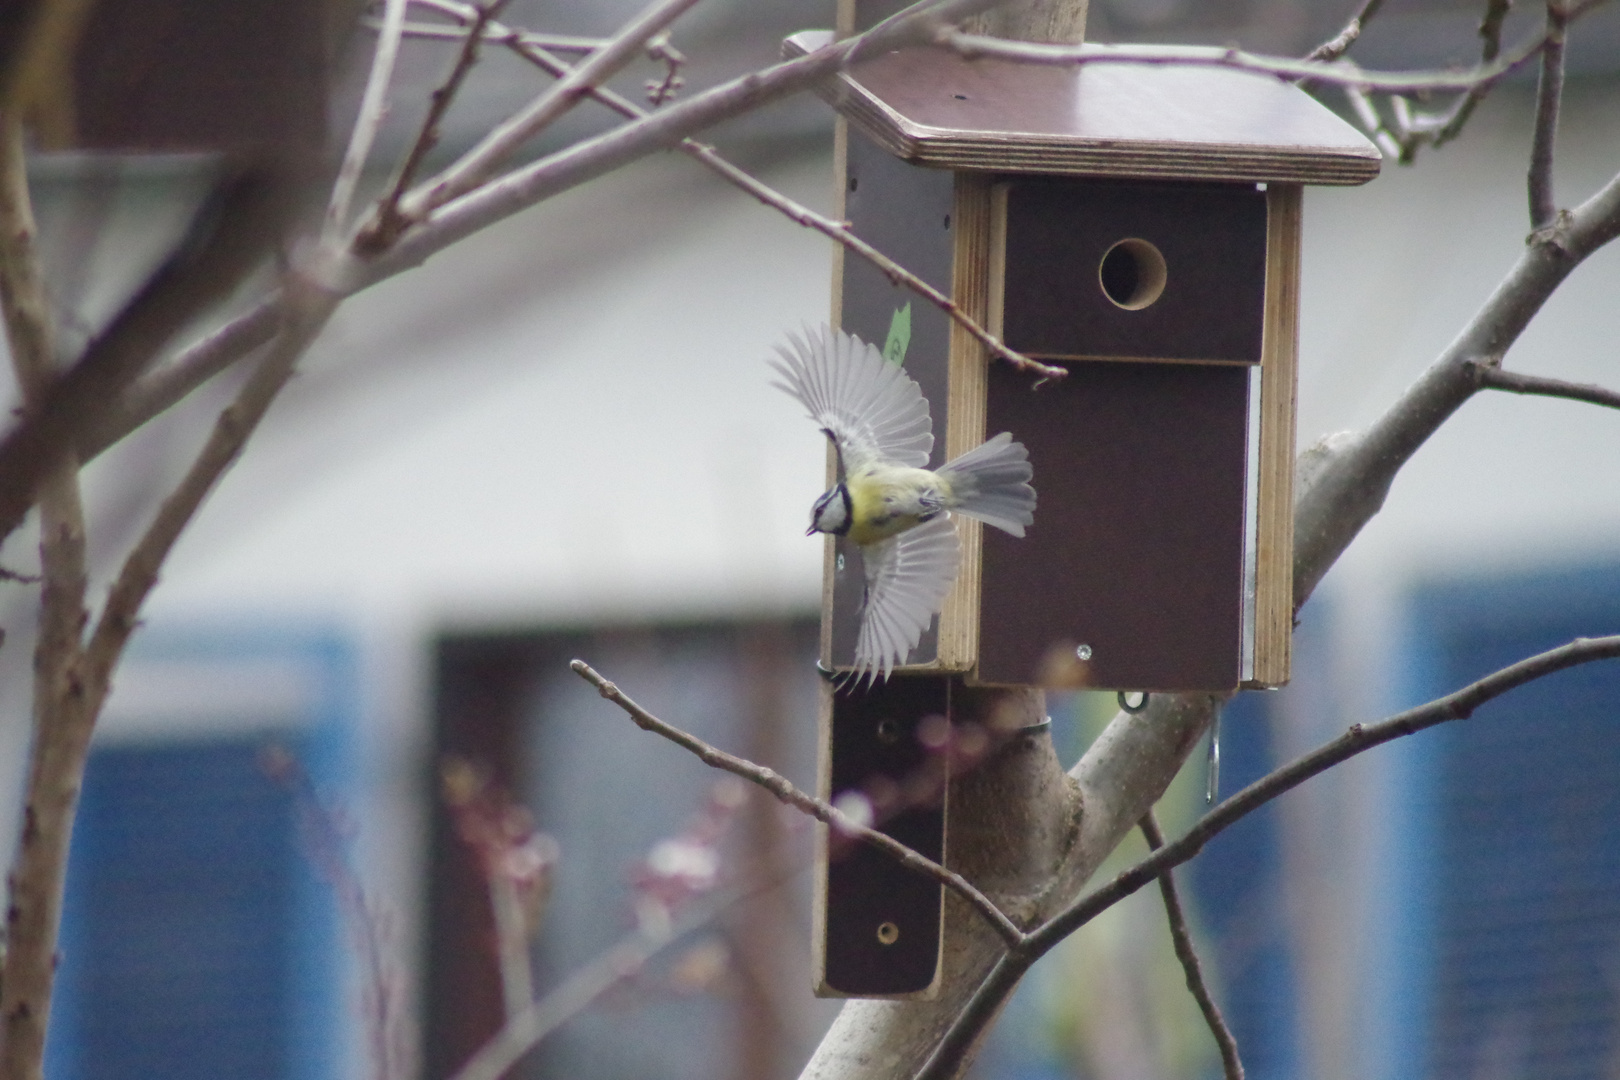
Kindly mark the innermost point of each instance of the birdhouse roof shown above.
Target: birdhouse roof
(1185, 121)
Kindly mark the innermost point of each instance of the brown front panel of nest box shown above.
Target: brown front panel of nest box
(173, 75)
(905, 212)
(1210, 241)
(1136, 555)
(879, 923)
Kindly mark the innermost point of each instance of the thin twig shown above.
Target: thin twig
(896, 273)
(194, 365)
(246, 333)
(479, 164)
(985, 1002)
(511, 945)
(1181, 938)
(1339, 45)
(388, 221)
(229, 234)
(1491, 377)
(305, 316)
(373, 107)
(1458, 705)
(1451, 124)
(524, 45)
(455, 9)
(526, 1030)
(661, 130)
(1490, 28)
(1338, 73)
(780, 787)
(1549, 94)
(661, 90)
(326, 844)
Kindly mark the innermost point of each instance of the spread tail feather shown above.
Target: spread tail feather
(991, 483)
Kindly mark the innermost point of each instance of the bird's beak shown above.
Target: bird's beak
(811, 531)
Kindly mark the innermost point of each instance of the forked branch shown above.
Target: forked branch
(1492, 377)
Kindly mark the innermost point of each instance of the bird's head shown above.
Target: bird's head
(833, 513)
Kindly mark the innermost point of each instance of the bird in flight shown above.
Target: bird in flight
(885, 499)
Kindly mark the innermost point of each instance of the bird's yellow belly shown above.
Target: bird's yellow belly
(887, 506)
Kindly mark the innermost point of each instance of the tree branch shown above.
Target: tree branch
(784, 791)
(1344, 479)
(1549, 93)
(373, 107)
(480, 163)
(307, 313)
(1339, 73)
(661, 130)
(190, 368)
(1181, 938)
(1458, 705)
(986, 1001)
(1337, 46)
(522, 44)
(61, 728)
(389, 220)
(528, 1028)
(228, 236)
(1492, 377)
(568, 169)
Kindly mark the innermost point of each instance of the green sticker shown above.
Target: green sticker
(899, 335)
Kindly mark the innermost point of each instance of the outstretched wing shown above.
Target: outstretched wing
(907, 577)
(871, 407)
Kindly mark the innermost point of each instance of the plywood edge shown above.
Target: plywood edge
(1274, 556)
(971, 288)
(927, 146)
(1070, 358)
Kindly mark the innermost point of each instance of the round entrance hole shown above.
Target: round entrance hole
(1132, 274)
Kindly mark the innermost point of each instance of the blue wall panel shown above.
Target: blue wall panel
(182, 926)
(197, 939)
(1237, 886)
(1526, 825)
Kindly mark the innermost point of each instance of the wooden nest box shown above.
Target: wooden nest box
(1139, 225)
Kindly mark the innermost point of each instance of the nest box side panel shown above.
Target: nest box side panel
(878, 925)
(1079, 255)
(905, 212)
(1132, 576)
(1274, 539)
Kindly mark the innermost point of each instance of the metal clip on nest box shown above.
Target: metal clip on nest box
(1140, 226)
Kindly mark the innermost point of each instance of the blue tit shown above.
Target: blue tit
(885, 500)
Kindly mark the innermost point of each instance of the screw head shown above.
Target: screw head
(1083, 652)
(888, 933)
